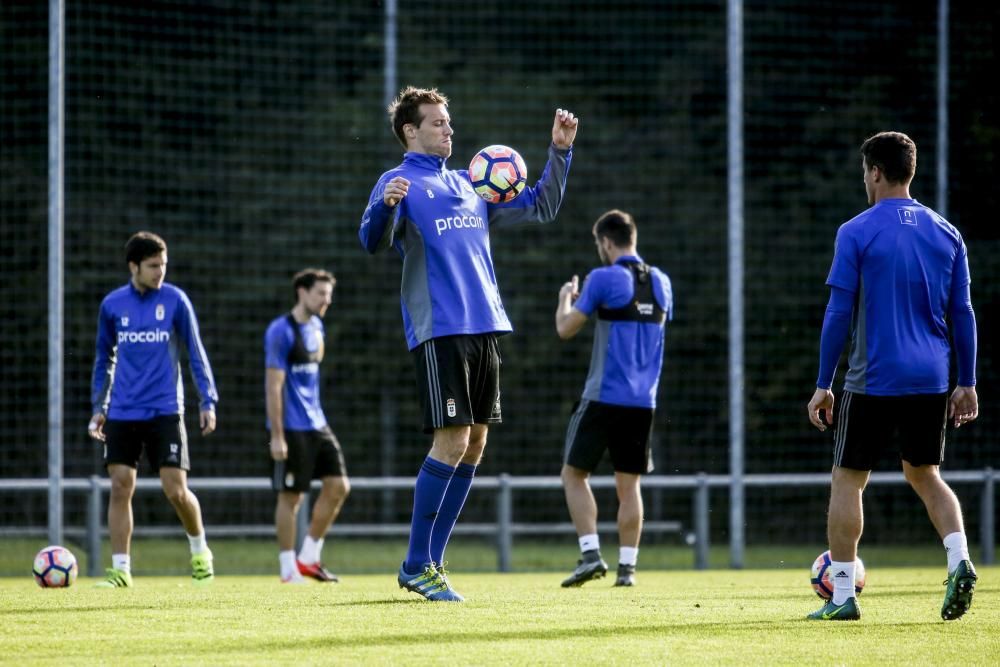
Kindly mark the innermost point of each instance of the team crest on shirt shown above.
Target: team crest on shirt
(160, 312)
(450, 404)
(124, 320)
(906, 216)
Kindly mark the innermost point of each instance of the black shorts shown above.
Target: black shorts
(865, 426)
(458, 379)
(311, 455)
(625, 432)
(164, 439)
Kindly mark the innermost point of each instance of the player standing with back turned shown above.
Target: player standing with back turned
(900, 275)
(452, 312)
(632, 301)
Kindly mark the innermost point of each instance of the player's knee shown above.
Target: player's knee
(176, 494)
(921, 476)
(340, 487)
(571, 475)
(122, 488)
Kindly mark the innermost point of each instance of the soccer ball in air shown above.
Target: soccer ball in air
(54, 567)
(498, 173)
(823, 584)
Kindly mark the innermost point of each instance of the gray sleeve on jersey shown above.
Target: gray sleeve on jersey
(540, 203)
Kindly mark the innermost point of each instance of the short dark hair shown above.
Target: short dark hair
(892, 152)
(617, 226)
(143, 245)
(306, 278)
(406, 108)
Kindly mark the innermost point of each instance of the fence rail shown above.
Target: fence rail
(504, 486)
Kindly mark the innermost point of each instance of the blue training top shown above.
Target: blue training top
(299, 357)
(628, 355)
(137, 368)
(906, 270)
(441, 230)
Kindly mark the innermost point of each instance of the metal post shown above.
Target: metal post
(55, 287)
(701, 531)
(942, 110)
(736, 312)
(505, 511)
(94, 505)
(986, 519)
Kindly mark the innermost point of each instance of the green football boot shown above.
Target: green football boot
(115, 579)
(427, 583)
(443, 573)
(202, 571)
(849, 611)
(958, 596)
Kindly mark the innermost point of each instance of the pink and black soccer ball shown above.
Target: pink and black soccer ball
(54, 567)
(821, 576)
(498, 173)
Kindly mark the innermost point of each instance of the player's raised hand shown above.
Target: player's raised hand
(822, 399)
(570, 289)
(395, 190)
(564, 128)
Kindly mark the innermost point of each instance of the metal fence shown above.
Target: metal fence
(507, 524)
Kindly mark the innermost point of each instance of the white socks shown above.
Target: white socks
(628, 555)
(289, 570)
(957, 548)
(121, 562)
(842, 575)
(198, 543)
(311, 550)
(589, 542)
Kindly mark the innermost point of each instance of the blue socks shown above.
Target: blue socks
(451, 507)
(428, 494)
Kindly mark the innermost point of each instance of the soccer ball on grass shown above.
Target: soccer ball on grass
(823, 584)
(498, 173)
(54, 567)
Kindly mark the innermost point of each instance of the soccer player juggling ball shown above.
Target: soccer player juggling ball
(452, 312)
(138, 399)
(900, 274)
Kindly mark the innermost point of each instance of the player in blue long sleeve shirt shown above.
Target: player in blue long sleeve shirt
(900, 274)
(138, 399)
(452, 311)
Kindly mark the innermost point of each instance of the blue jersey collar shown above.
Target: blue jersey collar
(424, 161)
(629, 259)
(137, 293)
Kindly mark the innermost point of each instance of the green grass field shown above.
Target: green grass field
(671, 617)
